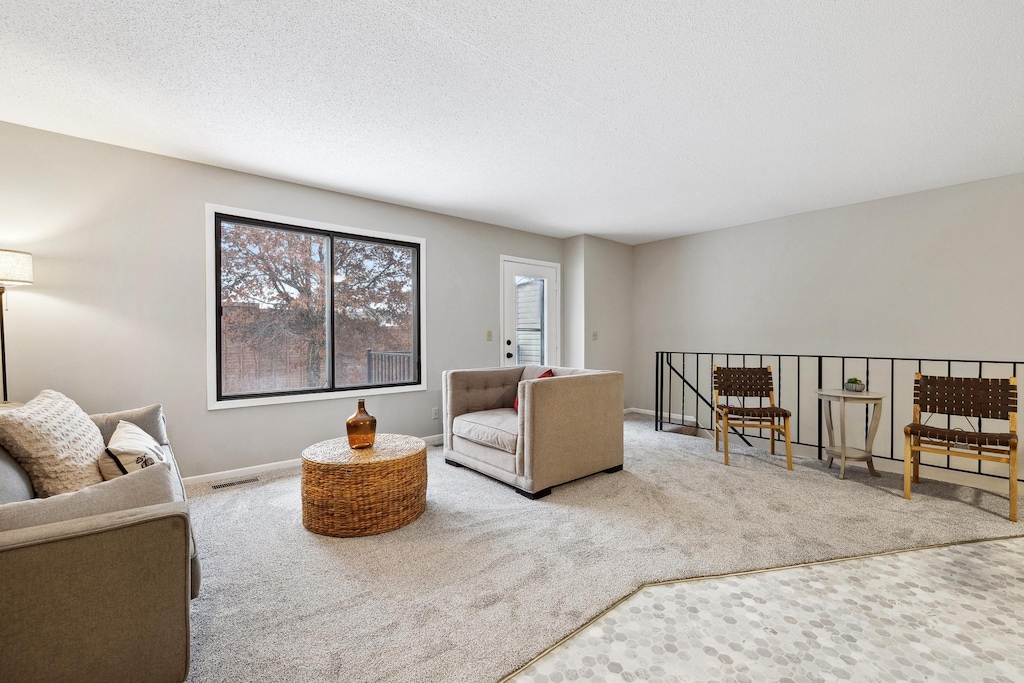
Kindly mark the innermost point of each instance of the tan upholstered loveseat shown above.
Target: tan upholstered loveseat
(568, 426)
(95, 585)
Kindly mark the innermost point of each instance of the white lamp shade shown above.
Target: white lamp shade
(15, 268)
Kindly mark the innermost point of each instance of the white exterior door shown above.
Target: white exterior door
(530, 312)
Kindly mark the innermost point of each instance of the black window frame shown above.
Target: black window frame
(219, 218)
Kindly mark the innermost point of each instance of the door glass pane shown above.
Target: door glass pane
(375, 333)
(273, 309)
(530, 346)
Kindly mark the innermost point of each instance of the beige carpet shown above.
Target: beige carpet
(487, 579)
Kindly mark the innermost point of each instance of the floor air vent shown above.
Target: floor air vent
(226, 484)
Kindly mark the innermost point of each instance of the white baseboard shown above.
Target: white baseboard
(689, 419)
(241, 472)
(641, 411)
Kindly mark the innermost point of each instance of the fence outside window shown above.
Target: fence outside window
(389, 367)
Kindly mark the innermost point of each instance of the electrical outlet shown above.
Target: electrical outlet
(433, 414)
(595, 337)
(490, 335)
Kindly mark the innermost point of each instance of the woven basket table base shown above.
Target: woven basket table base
(359, 492)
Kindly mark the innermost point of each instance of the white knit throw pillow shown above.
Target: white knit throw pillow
(55, 441)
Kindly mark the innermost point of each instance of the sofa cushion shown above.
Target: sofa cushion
(482, 458)
(467, 391)
(151, 486)
(130, 449)
(14, 482)
(150, 419)
(498, 428)
(55, 441)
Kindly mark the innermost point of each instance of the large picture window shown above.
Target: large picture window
(304, 310)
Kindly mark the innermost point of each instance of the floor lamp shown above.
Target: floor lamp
(15, 270)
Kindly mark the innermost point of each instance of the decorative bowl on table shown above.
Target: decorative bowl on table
(854, 386)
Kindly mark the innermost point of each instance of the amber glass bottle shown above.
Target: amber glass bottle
(362, 427)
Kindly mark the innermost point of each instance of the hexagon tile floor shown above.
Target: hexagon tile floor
(942, 614)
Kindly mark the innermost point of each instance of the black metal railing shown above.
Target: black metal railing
(387, 367)
(683, 381)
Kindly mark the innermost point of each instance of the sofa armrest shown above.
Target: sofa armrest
(102, 598)
(570, 426)
(469, 391)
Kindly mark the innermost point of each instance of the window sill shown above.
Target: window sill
(224, 404)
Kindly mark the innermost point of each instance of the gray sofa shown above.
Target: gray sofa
(95, 585)
(568, 426)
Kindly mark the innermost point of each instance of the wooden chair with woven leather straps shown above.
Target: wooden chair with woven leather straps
(969, 397)
(754, 383)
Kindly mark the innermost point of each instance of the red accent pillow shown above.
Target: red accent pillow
(546, 373)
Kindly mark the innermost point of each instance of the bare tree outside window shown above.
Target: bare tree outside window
(374, 312)
(275, 325)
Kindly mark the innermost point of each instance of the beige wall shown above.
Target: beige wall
(573, 303)
(598, 292)
(117, 317)
(609, 308)
(931, 274)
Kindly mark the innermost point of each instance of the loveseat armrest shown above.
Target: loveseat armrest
(99, 598)
(570, 426)
(151, 419)
(469, 391)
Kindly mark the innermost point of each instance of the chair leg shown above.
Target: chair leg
(789, 446)
(716, 433)
(917, 461)
(771, 433)
(1013, 484)
(908, 457)
(725, 437)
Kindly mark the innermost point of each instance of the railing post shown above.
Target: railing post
(668, 356)
(682, 408)
(369, 366)
(657, 391)
(820, 435)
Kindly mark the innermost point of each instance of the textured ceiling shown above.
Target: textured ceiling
(630, 120)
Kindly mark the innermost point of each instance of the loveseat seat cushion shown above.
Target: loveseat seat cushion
(14, 482)
(498, 428)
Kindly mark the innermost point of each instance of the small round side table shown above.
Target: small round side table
(359, 492)
(844, 452)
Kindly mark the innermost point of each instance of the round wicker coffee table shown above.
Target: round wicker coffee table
(359, 492)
